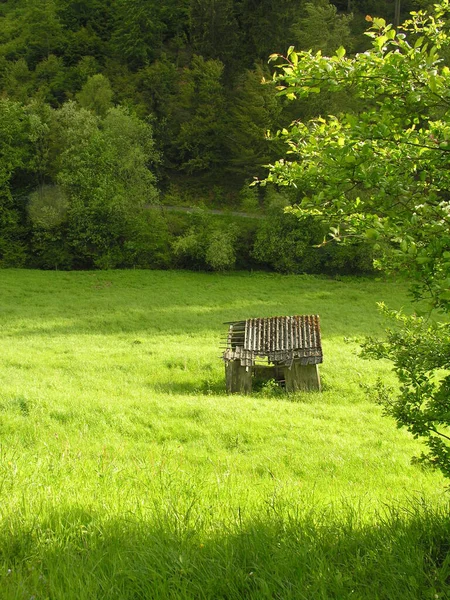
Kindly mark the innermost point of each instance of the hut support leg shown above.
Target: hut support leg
(302, 378)
(238, 378)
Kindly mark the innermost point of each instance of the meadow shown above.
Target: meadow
(127, 472)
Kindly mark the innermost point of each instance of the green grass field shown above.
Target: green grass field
(127, 472)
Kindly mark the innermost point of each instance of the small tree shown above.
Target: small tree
(206, 246)
(96, 95)
(322, 28)
(382, 172)
(104, 169)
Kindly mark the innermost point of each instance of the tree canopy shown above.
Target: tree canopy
(382, 171)
(190, 72)
(57, 50)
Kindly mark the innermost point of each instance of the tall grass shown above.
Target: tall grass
(126, 472)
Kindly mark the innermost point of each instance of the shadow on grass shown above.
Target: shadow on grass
(78, 555)
(218, 388)
(186, 388)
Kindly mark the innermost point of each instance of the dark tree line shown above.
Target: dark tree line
(106, 102)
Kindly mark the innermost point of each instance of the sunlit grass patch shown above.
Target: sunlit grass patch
(120, 451)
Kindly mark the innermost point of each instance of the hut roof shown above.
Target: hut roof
(280, 339)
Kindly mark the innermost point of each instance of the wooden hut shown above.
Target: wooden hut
(291, 346)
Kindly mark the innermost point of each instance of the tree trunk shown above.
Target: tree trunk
(397, 13)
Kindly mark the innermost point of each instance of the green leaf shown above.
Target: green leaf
(432, 83)
(390, 34)
(380, 41)
(340, 52)
(372, 234)
(379, 23)
(422, 260)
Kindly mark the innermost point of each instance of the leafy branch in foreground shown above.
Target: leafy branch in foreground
(420, 352)
(382, 172)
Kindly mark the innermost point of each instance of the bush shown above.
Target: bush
(49, 249)
(420, 353)
(190, 248)
(221, 252)
(148, 242)
(288, 244)
(283, 244)
(207, 243)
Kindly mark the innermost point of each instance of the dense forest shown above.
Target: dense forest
(110, 109)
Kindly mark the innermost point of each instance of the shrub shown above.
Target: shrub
(148, 242)
(288, 244)
(221, 252)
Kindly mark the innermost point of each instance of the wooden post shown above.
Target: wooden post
(238, 378)
(302, 377)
